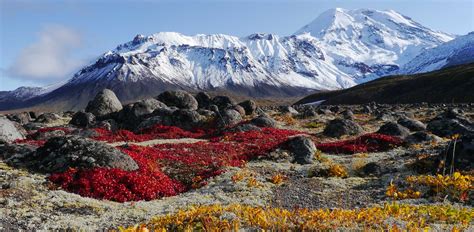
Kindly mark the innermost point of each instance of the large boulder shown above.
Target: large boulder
(228, 118)
(61, 153)
(339, 127)
(203, 99)
(223, 102)
(249, 106)
(22, 118)
(104, 103)
(302, 148)
(463, 153)
(180, 99)
(187, 119)
(394, 129)
(264, 121)
(10, 131)
(14, 154)
(146, 106)
(412, 124)
(83, 119)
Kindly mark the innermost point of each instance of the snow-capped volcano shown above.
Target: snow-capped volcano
(204, 62)
(455, 52)
(371, 43)
(339, 49)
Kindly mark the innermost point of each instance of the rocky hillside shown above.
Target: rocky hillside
(448, 85)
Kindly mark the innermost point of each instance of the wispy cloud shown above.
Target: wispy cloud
(50, 57)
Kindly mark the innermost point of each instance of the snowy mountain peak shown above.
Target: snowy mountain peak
(369, 43)
(455, 52)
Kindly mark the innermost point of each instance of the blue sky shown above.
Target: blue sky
(43, 42)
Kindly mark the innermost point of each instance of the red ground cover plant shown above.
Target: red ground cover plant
(154, 132)
(169, 169)
(366, 143)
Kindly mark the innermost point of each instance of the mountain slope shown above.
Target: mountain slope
(449, 85)
(454, 52)
(371, 43)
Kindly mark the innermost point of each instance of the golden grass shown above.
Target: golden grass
(234, 217)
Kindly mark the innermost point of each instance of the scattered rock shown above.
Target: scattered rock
(348, 114)
(421, 137)
(249, 106)
(180, 99)
(104, 103)
(45, 135)
(83, 119)
(372, 169)
(264, 121)
(412, 124)
(288, 110)
(108, 124)
(449, 123)
(302, 148)
(13, 154)
(10, 131)
(48, 118)
(394, 129)
(463, 153)
(339, 127)
(61, 153)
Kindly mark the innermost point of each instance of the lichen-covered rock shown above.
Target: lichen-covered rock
(288, 110)
(203, 99)
(302, 148)
(394, 129)
(61, 153)
(463, 153)
(339, 127)
(104, 103)
(22, 118)
(10, 131)
(449, 123)
(228, 118)
(223, 102)
(180, 99)
(412, 124)
(422, 137)
(249, 106)
(264, 121)
(48, 118)
(187, 119)
(239, 109)
(146, 106)
(83, 119)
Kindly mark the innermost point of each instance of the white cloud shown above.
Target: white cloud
(50, 58)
